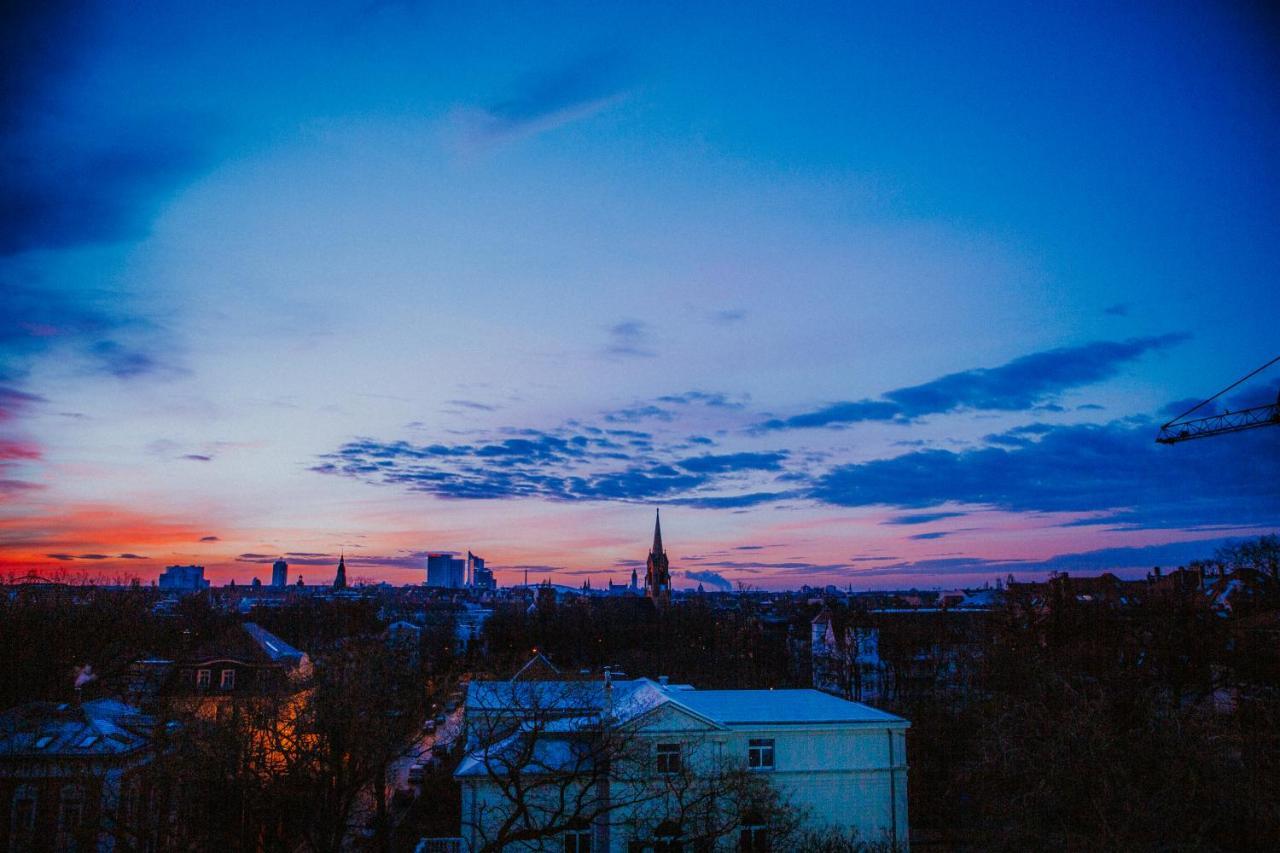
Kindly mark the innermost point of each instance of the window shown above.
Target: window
(668, 758)
(760, 754)
(22, 822)
(578, 838)
(753, 839)
(202, 678)
(70, 815)
(228, 681)
(667, 837)
(753, 836)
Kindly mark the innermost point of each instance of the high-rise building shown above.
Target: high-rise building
(446, 571)
(478, 576)
(183, 579)
(474, 564)
(279, 574)
(657, 575)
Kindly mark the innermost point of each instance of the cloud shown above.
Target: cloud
(921, 517)
(629, 339)
(14, 402)
(711, 399)
(575, 462)
(728, 316)
(1120, 309)
(209, 539)
(544, 101)
(1124, 560)
(1115, 470)
(666, 408)
(639, 412)
(730, 462)
(474, 405)
(197, 457)
(710, 578)
(132, 557)
(1020, 384)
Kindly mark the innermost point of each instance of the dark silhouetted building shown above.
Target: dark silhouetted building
(183, 579)
(446, 571)
(279, 574)
(657, 575)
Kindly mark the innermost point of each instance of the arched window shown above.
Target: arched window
(22, 817)
(70, 815)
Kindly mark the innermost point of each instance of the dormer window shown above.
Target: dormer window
(43, 741)
(203, 677)
(228, 681)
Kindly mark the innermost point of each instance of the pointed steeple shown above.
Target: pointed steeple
(340, 581)
(657, 574)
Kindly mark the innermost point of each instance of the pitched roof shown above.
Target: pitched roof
(248, 643)
(102, 727)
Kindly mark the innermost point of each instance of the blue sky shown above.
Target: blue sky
(393, 278)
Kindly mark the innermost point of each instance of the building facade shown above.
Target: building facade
(182, 579)
(839, 765)
(71, 778)
(446, 571)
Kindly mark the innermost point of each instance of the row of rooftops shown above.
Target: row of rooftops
(106, 727)
(98, 728)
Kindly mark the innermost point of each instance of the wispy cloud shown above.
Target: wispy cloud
(1021, 384)
(630, 339)
(545, 100)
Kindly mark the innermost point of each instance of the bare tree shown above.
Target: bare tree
(557, 757)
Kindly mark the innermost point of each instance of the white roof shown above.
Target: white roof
(630, 698)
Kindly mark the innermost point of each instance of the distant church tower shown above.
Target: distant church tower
(340, 582)
(657, 575)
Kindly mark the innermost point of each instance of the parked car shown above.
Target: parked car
(416, 772)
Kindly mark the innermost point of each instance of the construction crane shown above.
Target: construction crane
(1179, 429)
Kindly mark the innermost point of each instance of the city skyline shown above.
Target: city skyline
(379, 280)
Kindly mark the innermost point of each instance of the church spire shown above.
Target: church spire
(657, 575)
(340, 581)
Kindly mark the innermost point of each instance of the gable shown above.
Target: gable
(672, 717)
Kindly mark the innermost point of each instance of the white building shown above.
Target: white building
(840, 764)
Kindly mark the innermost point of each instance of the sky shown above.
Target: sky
(880, 295)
